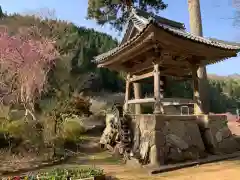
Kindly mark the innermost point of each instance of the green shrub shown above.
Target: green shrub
(72, 130)
(16, 128)
(3, 123)
(27, 131)
(74, 173)
(4, 111)
(16, 114)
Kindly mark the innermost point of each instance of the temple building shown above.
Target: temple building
(156, 47)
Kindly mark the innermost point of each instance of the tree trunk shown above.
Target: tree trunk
(196, 29)
(28, 111)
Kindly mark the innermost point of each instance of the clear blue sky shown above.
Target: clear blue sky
(216, 15)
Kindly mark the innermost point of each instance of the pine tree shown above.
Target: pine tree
(116, 12)
(1, 12)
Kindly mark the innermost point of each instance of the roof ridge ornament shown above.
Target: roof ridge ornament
(151, 17)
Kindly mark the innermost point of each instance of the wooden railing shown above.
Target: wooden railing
(164, 101)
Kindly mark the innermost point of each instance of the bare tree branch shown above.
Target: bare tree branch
(24, 64)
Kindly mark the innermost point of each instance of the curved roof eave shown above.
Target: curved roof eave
(169, 29)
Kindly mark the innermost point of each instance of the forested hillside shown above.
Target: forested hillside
(78, 46)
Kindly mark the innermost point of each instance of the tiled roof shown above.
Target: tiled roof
(173, 27)
(143, 14)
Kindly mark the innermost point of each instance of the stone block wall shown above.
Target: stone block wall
(216, 134)
(162, 139)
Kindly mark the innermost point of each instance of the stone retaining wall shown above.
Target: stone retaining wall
(216, 135)
(161, 139)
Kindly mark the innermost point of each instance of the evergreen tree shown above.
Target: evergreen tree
(116, 12)
(230, 87)
(1, 12)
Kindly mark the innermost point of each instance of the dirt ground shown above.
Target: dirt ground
(224, 170)
(93, 156)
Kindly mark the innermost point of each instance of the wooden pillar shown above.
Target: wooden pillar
(196, 94)
(158, 109)
(137, 95)
(127, 93)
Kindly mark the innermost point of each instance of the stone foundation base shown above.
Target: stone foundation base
(216, 135)
(163, 139)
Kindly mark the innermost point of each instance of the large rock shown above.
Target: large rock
(175, 155)
(105, 138)
(154, 158)
(176, 141)
(144, 151)
(157, 138)
(223, 134)
(136, 140)
(193, 153)
(217, 135)
(157, 155)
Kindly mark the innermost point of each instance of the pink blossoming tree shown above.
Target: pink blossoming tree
(25, 60)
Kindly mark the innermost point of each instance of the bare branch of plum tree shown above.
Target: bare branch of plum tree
(24, 64)
(42, 13)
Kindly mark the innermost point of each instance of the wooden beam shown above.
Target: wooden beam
(164, 73)
(141, 101)
(147, 65)
(176, 71)
(141, 77)
(176, 101)
(171, 71)
(143, 61)
(164, 101)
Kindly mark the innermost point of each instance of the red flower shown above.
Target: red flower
(17, 178)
